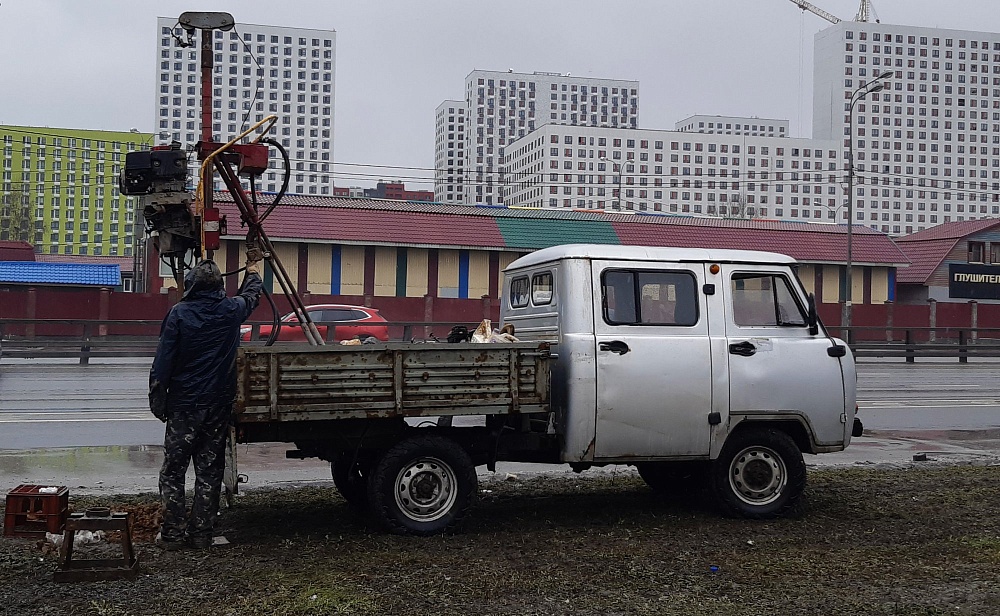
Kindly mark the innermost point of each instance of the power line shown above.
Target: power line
(517, 181)
(507, 181)
(767, 186)
(246, 116)
(354, 164)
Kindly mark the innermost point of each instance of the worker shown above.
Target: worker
(192, 385)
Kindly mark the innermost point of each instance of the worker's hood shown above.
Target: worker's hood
(203, 281)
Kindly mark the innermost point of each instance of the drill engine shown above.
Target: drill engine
(160, 175)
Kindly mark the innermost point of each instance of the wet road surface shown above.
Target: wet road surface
(64, 404)
(89, 426)
(939, 396)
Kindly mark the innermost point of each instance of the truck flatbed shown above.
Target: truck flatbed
(294, 383)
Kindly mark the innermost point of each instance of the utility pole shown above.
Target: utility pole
(876, 85)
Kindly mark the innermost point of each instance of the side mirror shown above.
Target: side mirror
(812, 320)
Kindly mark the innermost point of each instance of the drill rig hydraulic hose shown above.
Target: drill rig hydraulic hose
(255, 229)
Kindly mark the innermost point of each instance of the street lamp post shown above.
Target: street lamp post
(618, 181)
(876, 85)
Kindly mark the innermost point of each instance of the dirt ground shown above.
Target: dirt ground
(922, 540)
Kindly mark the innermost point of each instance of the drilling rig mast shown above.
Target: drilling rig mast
(184, 230)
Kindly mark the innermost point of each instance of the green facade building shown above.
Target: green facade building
(59, 189)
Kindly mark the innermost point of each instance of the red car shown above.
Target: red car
(358, 322)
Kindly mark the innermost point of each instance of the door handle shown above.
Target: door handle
(615, 346)
(745, 348)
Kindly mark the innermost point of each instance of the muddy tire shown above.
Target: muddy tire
(674, 478)
(423, 486)
(760, 474)
(350, 477)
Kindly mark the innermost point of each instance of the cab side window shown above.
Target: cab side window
(765, 300)
(541, 289)
(519, 292)
(649, 297)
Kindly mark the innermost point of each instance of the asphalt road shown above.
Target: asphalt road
(46, 404)
(89, 426)
(64, 404)
(940, 396)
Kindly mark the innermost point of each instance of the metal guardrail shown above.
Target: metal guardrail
(962, 348)
(94, 340)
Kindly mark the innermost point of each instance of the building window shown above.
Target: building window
(994, 251)
(977, 252)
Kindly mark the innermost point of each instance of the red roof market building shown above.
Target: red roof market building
(367, 249)
(953, 262)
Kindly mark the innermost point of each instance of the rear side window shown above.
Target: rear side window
(649, 297)
(338, 314)
(765, 300)
(519, 292)
(541, 289)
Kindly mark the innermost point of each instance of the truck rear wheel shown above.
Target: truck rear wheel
(350, 477)
(423, 486)
(760, 474)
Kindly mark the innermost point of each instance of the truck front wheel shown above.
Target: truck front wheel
(423, 486)
(760, 474)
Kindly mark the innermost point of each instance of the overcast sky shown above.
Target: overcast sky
(91, 64)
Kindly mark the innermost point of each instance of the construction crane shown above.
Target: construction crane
(812, 8)
(865, 10)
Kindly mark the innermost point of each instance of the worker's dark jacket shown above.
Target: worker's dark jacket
(196, 355)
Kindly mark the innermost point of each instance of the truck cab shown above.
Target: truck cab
(692, 364)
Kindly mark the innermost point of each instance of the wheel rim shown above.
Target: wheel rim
(758, 475)
(426, 489)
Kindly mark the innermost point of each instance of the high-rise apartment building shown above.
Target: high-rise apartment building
(927, 148)
(501, 107)
(673, 172)
(60, 189)
(449, 151)
(259, 71)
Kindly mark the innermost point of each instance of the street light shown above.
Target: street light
(876, 85)
(618, 181)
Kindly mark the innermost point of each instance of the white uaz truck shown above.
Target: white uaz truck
(694, 365)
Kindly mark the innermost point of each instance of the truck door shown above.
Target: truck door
(654, 365)
(775, 365)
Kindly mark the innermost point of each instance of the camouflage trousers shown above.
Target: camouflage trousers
(198, 434)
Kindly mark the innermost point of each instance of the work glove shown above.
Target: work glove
(158, 401)
(254, 257)
(254, 267)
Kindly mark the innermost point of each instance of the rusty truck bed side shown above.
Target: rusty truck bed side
(294, 383)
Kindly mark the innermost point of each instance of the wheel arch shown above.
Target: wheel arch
(760, 473)
(794, 425)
